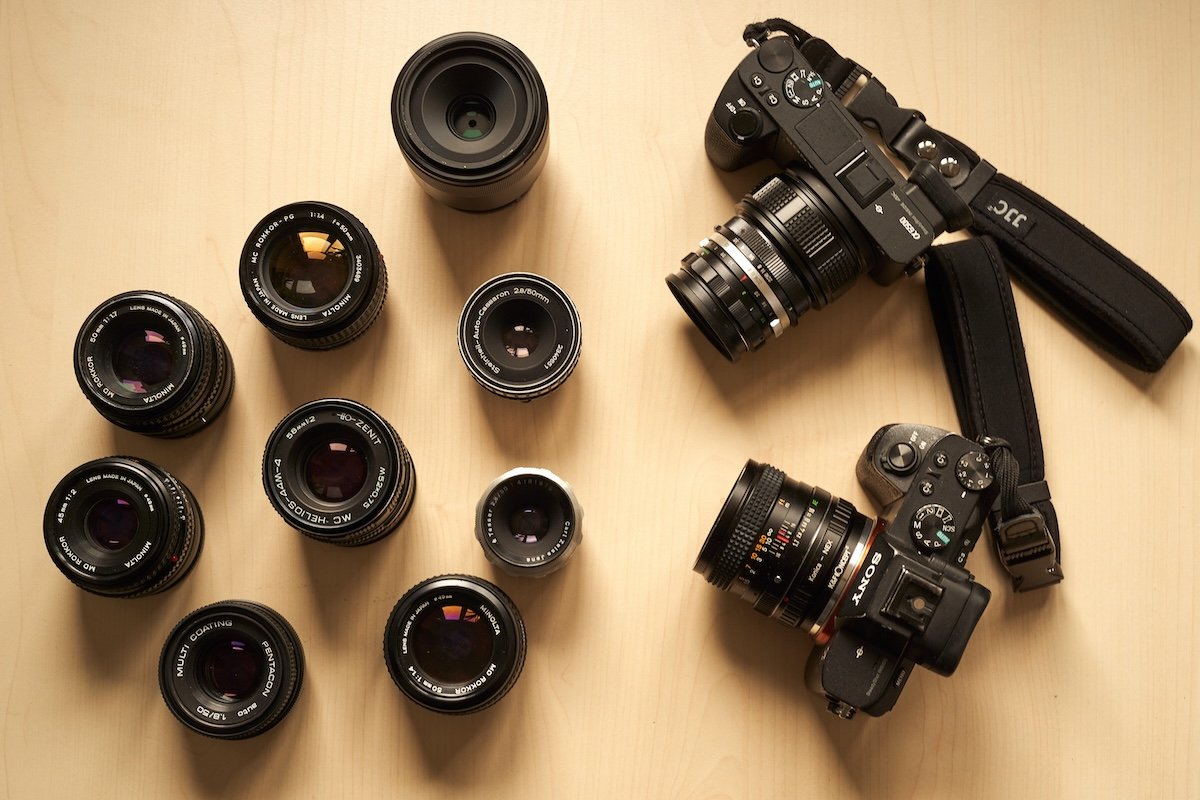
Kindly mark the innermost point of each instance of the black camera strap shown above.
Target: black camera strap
(1110, 299)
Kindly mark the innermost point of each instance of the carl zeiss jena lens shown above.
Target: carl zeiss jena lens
(791, 246)
(528, 522)
(152, 364)
(313, 275)
(798, 573)
(454, 644)
(471, 117)
(122, 527)
(231, 670)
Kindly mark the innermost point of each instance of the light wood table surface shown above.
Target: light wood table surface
(141, 141)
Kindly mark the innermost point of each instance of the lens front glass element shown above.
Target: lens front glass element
(529, 523)
(111, 523)
(453, 643)
(142, 359)
(231, 668)
(335, 471)
(308, 269)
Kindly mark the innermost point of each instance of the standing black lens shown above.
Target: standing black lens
(231, 670)
(454, 644)
(312, 274)
(519, 336)
(336, 471)
(791, 246)
(528, 522)
(122, 527)
(471, 117)
(153, 364)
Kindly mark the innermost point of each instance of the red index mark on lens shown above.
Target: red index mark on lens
(781, 538)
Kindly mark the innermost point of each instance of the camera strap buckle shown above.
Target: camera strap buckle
(1026, 548)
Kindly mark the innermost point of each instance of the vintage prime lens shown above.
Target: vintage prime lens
(519, 336)
(787, 548)
(231, 670)
(454, 644)
(152, 364)
(336, 471)
(470, 114)
(791, 246)
(122, 527)
(313, 275)
(528, 522)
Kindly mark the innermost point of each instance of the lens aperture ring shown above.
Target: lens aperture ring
(791, 291)
(748, 528)
(777, 317)
(701, 265)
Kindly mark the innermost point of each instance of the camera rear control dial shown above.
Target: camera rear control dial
(933, 527)
(803, 87)
(974, 471)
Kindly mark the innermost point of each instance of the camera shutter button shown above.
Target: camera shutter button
(901, 458)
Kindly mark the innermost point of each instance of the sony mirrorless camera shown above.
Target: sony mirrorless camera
(838, 210)
(879, 597)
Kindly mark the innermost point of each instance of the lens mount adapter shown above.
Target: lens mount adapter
(528, 522)
(471, 117)
(122, 527)
(336, 471)
(231, 670)
(152, 364)
(313, 275)
(454, 644)
(519, 336)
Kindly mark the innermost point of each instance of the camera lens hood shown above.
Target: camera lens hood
(152, 364)
(336, 471)
(313, 275)
(122, 527)
(231, 670)
(529, 522)
(519, 335)
(454, 644)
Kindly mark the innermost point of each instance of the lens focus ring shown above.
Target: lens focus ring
(749, 526)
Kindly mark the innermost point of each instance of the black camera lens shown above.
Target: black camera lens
(153, 364)
(528, 522)
(519, 336)
(787, 548)
(471, 117)
(791, 246)
(312, 274)
(336, 471)
(122, 527)
(455, 644)
(231, 670)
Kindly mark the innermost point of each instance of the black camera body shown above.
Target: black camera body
(775, 105)
(911, 601)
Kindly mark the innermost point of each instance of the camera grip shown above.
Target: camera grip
(1112, 300)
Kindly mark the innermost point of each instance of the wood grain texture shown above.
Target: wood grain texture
(140, 141)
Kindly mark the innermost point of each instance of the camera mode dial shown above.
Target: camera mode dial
(803, 87)
(933, 527)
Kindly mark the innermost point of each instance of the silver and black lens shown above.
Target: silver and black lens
(231, 670)
(152, 364)
(313, 275)
(787, 548)
(336, 471)
(454, 644)
(528, 522)
(122, 527)
(519, 336)
(471, 117)
(791, 246)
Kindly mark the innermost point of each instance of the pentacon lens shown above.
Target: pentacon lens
(791, 246)
(153, 364)
(471, 117)
(787, 548)
(122, 527)
(313, 275)
(231, 670)
(336, 471)
(455, 644)
(519, 336)
(528, 522)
